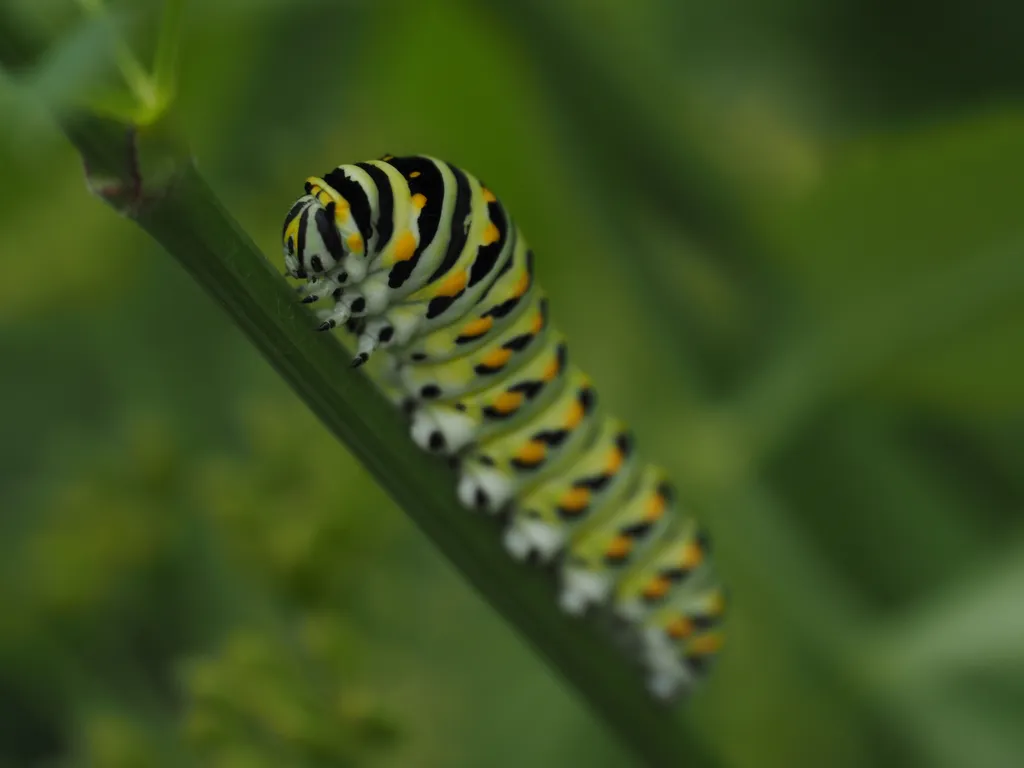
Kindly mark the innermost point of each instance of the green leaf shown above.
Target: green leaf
(953, 671)
(911, 256)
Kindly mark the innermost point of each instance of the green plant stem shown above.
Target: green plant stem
(178, 209)
(165, 62)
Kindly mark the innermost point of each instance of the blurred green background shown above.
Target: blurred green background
(787, 239)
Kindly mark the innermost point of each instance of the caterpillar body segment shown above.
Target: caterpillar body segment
(501, 303)
(545, 518)
(447, 426)
(673, 565)
(679, 641)
(511, 463)
(606, 548)
(486, 364)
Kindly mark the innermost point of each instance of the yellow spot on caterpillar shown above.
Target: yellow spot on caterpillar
(497, 358)
(575, 500)
(414, 175)
(614, 463)
(680, 628)
(489, 196)
(507, 402)
(705, 645)
(538, 323)
(521, 286)
(321, 189)
(355, 242)
(575, 415)
(691, 557)
(657, 588)
(619, 548)
(388, 157)
(655, 508)
(453, 285)
(405, 247)
(418, 201)
(533, 453)
(478, 327)
(341, 211)
(716, 606)
(491, 234)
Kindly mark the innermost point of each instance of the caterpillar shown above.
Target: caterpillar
(419, 259)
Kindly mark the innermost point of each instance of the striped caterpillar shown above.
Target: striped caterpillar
(421, 261)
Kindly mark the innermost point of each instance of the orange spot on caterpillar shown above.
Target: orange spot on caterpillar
(575, 415)
(575, 499)
(507, 402)
(521, 287)
(655, 508)
(705, 645)
(533, 453)
(691, 557)
(619, 548)
(552, 371)
(680, 628)
(657, 588)
(538, 323)
(452, 285)
(418, 201)
(355, 242)
(497, 358)
(489, 196)
(491, 234)
(405, 247)
(478, 327)
(614, 462)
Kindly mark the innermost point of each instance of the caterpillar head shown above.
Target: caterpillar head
(293, 236)
(312, 243)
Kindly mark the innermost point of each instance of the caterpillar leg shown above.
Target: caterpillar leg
(667, 673)
(313, 290)
(582, 588)
(531, 536)
(484, 488)
(679, 642)
(348, 305)
(668, 683)
(441, 429)
(332, 318)
(378, 332)
(319, 287)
